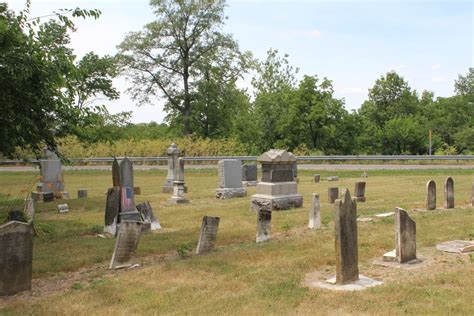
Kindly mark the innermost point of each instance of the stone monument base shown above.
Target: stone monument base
(178, 200)
(39, 196)
(228, 193)
(276, 202)
(360, 198)
(169, 189)
(330, 284)
(250, 183)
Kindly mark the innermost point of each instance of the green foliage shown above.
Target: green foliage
(286, 226)
(96, 229)
(183, 250)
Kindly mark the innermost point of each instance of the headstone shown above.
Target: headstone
(178, 185)
(112, 207)
(264, 225)
(126, 173)
(456, 246)
(333, 195)
(173, 154)
(249, 174)
(16, 254)
(147, 214)
(359, 191)
(137, 190)
(315, 213)
(449, 193)
(29, 208)
(332, 178)
(51, 178)
(431, 195)
(472, 195)
(405, 238)
(116, 173)
(347, 259)
(277, 189)
(48, 196)
(82, 194)
(317, 178)
(126, 244)
(63, 208)
(208, 235)
(230, 175)
(295, 172)
(127, 203)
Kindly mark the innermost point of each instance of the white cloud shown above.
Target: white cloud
(439, 79)
(398, 67)
(436, 67)
(354, 90)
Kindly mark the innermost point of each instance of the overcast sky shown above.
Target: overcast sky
(350, 42)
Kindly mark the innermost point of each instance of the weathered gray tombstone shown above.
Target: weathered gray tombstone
(127, 209)
(82, 194)
(317, 178)
(295, 172)
(332, 178)
(264, 225)
(315, 213)
(472, 195)
(126, 173)
(178, 185)
(126, 244)
(347, 258)
(230, 176)
(16, 255)
(63, 208)
(431, 195)
(277, 190)
(449, 193)
(112, 207)
(29, 208)
(173, 154)
(208, 235)
(333, 195)
(116, 173)
(249, 174)
(405, 238)
(148, 217)
(51, 179)
(359, 191)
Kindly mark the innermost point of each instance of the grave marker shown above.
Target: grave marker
(116, 173)
(208, 235)
(264, 225)
(148, 217)
(249, 174)
(317, 178)
(230, 176)
(178, 185)
(63, 208)
(126, 244)
(82, 194)
(449, 193)
(431, 195)
(333, 195)
(29, 208)
(405, 238)
(359, 191)
(315, 213)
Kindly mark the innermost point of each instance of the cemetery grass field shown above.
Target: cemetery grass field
(241, 277)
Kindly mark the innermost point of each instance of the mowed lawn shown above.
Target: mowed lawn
(241, 277)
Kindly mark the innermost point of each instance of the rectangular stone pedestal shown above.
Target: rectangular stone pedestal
(276, 203)
(228, 193)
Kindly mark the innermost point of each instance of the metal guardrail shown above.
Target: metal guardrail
(300, 158)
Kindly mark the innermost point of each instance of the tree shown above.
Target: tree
(465, 84)
(170, 56)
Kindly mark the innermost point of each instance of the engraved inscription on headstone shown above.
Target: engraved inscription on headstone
(208, 235)
(449, 193)
(315, 213)
(333, 195)
(264, 225)
(431, 195)
(126, 244)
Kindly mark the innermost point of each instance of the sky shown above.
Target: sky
(352, 43)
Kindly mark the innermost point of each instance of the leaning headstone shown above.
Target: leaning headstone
(277, 189)
(112, 207)
(249, 174)
(317, 178)
(230, 175)
(208, 235)
(63, 208)
(347, 259)
(179, 187)
(147, 214)
(126, 244)
(359, 191)
(405, 238)
(332, 178)
(82, 194)
(16, 254)
(449, 193)
(333, 195)
(315, 213)
(264, 225)
(29, 208)
(431, 195)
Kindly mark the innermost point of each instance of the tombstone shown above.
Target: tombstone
(277, 189)
(332, 178)
(126, 173)
(295, 172)
(126, 244)
(347, 269)
(472, 195)
(16, 244)
(48, 196)
(315, 213)
(178, 185)
(333, 195)
(82, 194)
(16, 215)
(249, 174)
(146, 211)
(63, 208)
(359, 191)
(173, 154)
(208, 235)
(29, 208)
(431, 195)
(449, 193)
(51, 178)
(317, 178)
(230, 175)
(405, 238)
(116, 173)
(112, 207)
(264, 225)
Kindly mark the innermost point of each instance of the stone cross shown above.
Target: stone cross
(431, 195)
(315, 213)
(126, 244)
(208, 235)
(333, 195)
(173, 154)
(347, 269)
(230, 176)
(264, 225)
(449, 193)
(112, 206)
(178, 185)
(16, 255)
(146, 211)
(359, 191)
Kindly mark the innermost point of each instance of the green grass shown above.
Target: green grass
(240, 276)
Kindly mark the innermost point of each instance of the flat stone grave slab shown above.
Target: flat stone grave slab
(419, 262)
(332, 178)
(362, 283)
(456, 246)
(386, 214)
(63, 208)
(364, 219)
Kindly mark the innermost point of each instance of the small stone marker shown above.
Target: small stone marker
(82, 194)
(126, 244)
(333, 195)
(112, 207)
(116, 173)
(386, 214)
(449, 193)
(456, 246)
(364, 219)
(405, 238)
(48, 196)
(29, 208)
(16, 254)
(178, 185)
(472, 195)
(249, 174)
(148, 217)
(317, 178)
(359, 191)
(431, 195)
(332, 178)
(230, 175)
(264, 225)
(315, 213)
(208, 235)
(63, 208)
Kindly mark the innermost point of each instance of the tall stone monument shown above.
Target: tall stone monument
(16, 254)
(208, 235)
(405, 238)
(230, 176)
(431, 195)
(249, 174)
(277, 189)
(264, 225)
(315, 213)
(449, 193)
(178, 185)
(173, 154)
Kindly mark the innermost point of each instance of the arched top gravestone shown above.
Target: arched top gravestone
(449, 193)
(431, 195)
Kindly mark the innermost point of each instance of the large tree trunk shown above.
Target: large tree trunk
(187, 99)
